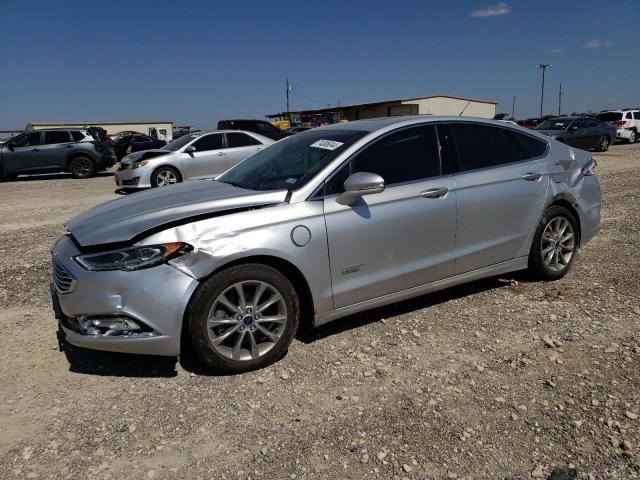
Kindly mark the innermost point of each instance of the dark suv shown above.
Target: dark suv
(82, 152)
(256, 126)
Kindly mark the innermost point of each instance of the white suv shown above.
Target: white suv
(627, 122)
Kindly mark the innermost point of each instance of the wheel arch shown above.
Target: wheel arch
(73, 155)
(288, 269)
(563, 201)
(166, 165)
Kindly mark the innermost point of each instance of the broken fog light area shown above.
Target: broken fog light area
(117, 325)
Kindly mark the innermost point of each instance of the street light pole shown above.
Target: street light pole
(543, 67)
(513, 107)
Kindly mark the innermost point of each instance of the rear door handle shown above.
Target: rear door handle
(35, 150)
(435, 192)
(220, 154)
(531, 176)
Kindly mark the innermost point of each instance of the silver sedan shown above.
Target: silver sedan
(319, 226)
(193, 156)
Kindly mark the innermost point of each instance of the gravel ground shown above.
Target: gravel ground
(500, 378)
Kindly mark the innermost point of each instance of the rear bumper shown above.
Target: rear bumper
(106, 162)
(623, 133)
(589, 203)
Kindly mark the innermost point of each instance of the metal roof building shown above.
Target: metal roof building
(429, 105)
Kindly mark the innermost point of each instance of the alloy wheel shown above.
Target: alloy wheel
(247, 320)
(558, 244)
(604, 144)
(166, 177)
(82, 167)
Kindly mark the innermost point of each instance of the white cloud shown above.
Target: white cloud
(556, 50)
(595, 43)
(608, 43)
(492, 11)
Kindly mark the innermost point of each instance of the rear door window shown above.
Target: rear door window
(209, 142)
(484, 146)
(235, 140)
(56, 136)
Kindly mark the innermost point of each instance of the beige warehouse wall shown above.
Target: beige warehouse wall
(453, 106)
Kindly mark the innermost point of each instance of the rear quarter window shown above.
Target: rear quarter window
(529, 147)
(77, 135)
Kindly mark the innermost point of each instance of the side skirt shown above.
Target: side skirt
(520, 263)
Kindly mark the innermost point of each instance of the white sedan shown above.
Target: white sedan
(192, 156)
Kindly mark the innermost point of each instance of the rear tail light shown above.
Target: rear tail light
(620, 123)
(590, 168)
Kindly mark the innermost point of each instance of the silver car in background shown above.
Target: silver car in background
(192, 156)
(318, 226)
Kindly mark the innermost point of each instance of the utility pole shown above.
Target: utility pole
(560, 93)
(513, 108)
(543, 67)
(288, 90)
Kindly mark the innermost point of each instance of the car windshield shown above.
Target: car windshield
(609, 116)
(292, 162)
(178, 143)
(555, 124)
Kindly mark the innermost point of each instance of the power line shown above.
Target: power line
(314, 100)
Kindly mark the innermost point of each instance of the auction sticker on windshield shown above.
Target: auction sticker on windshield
(327, 144)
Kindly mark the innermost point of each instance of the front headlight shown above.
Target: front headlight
(139, 164)
(132, 258)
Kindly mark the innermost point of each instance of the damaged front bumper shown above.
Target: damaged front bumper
(120, 311)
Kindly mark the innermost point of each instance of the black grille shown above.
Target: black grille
(62, 279)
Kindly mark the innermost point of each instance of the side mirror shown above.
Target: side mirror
(10, 146)
(190, 149)
(360, 184)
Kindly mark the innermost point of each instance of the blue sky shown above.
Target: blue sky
(199, 61)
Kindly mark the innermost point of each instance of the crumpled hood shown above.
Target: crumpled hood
(145, 154)
(123, 219)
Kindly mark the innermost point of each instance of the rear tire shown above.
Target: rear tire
(165, 176)
(82, 167)
(603, 144)
(555, 244)
(633, 138)
(243, 318)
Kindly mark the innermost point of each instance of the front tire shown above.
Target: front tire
(603, 144)
(554, 245)
(165, 176)
(82, 167)
(243, 318)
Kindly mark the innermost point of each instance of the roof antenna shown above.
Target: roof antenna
(465, 107)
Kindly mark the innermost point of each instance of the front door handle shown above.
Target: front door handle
(435, 192)
(35, 149)
(531, 176)
(220, 154)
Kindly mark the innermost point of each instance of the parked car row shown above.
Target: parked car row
(314, 228)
